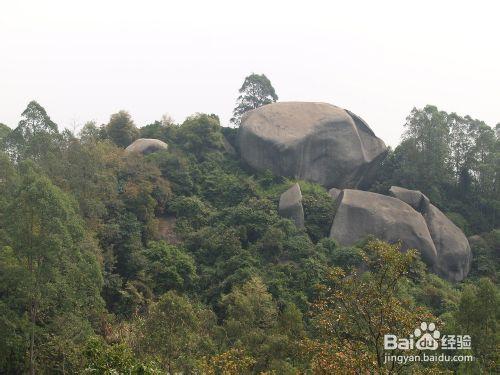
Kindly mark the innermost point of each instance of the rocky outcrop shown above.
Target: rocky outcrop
(290, 205)
(146, 146)
(360, 214)
(408, 216)
(453, 249)
(316, 142)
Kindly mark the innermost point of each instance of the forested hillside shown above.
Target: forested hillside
(178, 262)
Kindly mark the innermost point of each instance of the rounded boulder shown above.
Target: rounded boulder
(317, 142)
(146, 146)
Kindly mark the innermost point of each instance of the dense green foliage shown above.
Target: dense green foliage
(4, 131)
(179, 262)
(50, 271)
(455, 161)
(121, 129)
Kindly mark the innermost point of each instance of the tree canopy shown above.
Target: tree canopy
(255, 92)
(121, 129)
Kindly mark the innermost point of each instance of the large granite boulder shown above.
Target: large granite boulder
(316, 142)
(361, 213)
(290, 205)
(146, 146)
(453, 249)
(407, 216)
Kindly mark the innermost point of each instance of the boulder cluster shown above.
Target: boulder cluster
(407, 217)
(325, 144)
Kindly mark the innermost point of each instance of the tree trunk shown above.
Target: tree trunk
(32, 338)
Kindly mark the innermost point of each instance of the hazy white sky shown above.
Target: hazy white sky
(85, 60)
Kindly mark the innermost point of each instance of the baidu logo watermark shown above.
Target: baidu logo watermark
(427, 337)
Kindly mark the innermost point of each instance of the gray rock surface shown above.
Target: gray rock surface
(454, 253)
(409, 217)
(290, 205)
(360, 214)
(334, 193)
(316, 142)
(146, 146)
(414, 198)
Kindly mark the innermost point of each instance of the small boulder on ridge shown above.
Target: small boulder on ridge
(414, 198)
(146, 146)
(290, 205)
